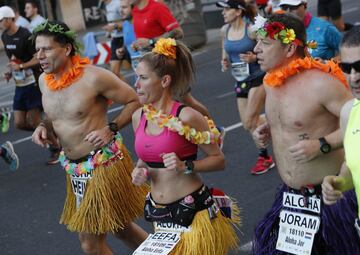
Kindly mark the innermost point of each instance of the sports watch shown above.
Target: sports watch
(189, 167)
(325, 147)
(113, 127)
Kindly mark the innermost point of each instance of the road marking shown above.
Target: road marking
(22, 140)
(354, 9)
(234, 126)
(246, 247)
(226, 94)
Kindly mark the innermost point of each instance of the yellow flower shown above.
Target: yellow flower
(166, 47)
(289, 36)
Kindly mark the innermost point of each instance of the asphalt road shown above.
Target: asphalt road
(31, 199)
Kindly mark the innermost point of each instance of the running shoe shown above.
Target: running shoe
(262, 165)
(9, 155)
(5, 123)
(221, 137)
(54, 155)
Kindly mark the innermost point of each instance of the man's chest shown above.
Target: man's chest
(68, 103)
(293, 110)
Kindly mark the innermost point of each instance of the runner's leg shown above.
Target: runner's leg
(132, 235)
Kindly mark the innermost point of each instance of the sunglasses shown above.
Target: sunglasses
(346, 67)
(286, 7)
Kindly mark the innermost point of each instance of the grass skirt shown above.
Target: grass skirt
(337, 234)
(110, 202)
(209, 237)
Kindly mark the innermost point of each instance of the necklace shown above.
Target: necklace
(277, 77)
(175, 125)
(70, 76)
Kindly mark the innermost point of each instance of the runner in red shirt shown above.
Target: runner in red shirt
(153, 20)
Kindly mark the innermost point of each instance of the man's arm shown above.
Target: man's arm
(111, 87)
(31, 63)
(141, 43)
(334, 96)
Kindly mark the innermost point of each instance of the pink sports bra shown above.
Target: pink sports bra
(149, 148)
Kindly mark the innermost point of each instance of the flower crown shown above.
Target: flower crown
(59, 29)
(166, 47)
(275, 30)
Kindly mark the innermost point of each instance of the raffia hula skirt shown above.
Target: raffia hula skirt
(110, 201)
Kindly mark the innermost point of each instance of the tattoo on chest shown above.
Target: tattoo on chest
(304, 137)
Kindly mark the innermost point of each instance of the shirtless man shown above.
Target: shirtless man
(303, 102)
(74, 96)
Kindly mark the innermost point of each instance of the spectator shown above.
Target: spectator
(31, 12)
(113, 16)
(153, 20)
(20, 21)
(326, 36)
(330, 10)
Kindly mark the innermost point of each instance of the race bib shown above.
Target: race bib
(170, 227)
(240, 70)
(23, 77)
(159, 243)
(295, 201)
(78, 184)
(297, 230)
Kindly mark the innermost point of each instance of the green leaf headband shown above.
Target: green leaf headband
(58, 29)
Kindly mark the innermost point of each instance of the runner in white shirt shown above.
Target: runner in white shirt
(31, 12)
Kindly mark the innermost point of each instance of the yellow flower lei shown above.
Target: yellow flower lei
(166, 47)
(175, 125)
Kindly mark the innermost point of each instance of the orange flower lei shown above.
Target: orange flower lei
(70, 76)
(277, 78)
(166, 47)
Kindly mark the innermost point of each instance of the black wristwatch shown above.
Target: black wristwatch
(189, 167)
(325, 147)
(113, 127)
(152, 42)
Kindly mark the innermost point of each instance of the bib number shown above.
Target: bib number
(297, 230)
(159, 243)
(78, 184)
(240, 70)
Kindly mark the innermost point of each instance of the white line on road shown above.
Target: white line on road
(353, 9)
(246, 247)
(225, 94)
(234, 126)
(22, 140)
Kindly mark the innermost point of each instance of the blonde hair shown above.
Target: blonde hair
(181, 69)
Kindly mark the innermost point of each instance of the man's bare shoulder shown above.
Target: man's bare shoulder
(95, 75)
(322, 80)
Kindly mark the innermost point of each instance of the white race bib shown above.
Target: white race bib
(295, 201)
(159, 243)
(297, 230)
(170, 227)
(240, 70)
(78, 184)
(23, 77)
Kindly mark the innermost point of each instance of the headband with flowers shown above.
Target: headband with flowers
(275, 30)
(166, 47)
